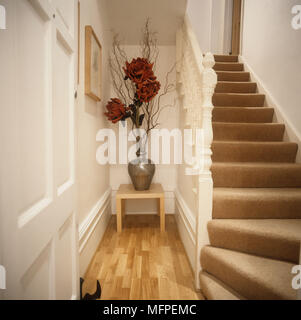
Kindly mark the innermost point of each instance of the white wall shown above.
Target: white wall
(272, 49)
(165, 174)
(127, 18)
(93, 179)
(211, 20)
(200, 16)
(218, 26)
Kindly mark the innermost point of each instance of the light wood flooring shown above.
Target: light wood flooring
(141, 263)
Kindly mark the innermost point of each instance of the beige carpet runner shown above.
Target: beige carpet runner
(256, 228)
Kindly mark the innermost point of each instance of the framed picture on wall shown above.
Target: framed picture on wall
(93, 65)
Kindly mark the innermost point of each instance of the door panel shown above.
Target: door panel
(33, 127)
(39, 210)
(63, 82)
(33, 281)
(66, 9)
(64, 258)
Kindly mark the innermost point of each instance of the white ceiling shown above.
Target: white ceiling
(127, 18)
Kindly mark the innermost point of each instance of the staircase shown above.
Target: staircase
(256, 228)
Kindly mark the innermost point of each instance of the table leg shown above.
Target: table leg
(162, 214)
(158, 206)
(123, 207)
(119, 214)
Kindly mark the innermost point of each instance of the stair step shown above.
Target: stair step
(235, 87)
(256, 175)
(238, 151)
(223, 131)
(255, 278)
(225, 58)
(276, 239)
(228, 66)
(213, 289)
(243, 114)
(258, 203)
(233, 76)
(238, 99)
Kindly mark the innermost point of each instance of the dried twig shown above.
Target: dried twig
(126, 89)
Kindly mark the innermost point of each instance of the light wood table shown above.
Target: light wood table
(127, 191)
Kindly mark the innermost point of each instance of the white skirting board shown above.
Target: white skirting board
(291, 133)
(146, 206)
(187, 227)
(92, 229)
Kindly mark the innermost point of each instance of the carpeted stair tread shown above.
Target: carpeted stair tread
(238, 99)
(243, 114)
(256, 231)
(245, 151)
(256, 175)
(233, 76)
(253, 277)
(225, 58)
(228, 66)
(213, 289)
(235, 87)
(248, 131)
(271, 238)
(256, 203)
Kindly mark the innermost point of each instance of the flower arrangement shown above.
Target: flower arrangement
(137, 86)
(140, 72)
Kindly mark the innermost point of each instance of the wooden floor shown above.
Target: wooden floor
(141, 263)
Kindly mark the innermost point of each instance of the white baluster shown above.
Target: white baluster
(205, 192)
(198, 81)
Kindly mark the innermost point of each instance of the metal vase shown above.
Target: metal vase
(141, 171)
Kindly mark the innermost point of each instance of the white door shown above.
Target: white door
(37, 191)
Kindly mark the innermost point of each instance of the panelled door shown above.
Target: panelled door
(39, 224)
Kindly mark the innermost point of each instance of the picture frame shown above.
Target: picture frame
(93, 65)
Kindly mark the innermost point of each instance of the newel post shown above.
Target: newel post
(205, 190)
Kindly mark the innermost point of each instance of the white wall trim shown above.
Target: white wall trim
(186, 215)
(186, 226)
(291, 133)
(89, 224)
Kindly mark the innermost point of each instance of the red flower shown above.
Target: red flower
(116, 110)
(139, 70)
(147, 90)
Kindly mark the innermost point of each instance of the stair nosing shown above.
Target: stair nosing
(219, 283)
(268, 230)
(250, 123)
(254, 94)
(242, 272)
(278, 143)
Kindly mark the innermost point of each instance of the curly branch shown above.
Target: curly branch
(126, 90)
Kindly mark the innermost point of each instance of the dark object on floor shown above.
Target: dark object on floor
(88, 296)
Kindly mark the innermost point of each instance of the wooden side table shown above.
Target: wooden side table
(127, 191)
